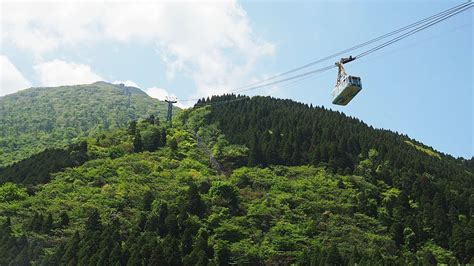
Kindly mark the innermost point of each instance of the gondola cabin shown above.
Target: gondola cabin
(346, 90)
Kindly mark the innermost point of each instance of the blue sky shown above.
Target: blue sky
(421, 86)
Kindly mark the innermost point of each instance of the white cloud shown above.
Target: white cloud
(58, 73)
(161, 94)
(158, 93)
(210, 42)
(11, 79)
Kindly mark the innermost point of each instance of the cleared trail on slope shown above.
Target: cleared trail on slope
(212, 160)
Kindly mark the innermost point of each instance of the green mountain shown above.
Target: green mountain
(239, 181)
(34, 119)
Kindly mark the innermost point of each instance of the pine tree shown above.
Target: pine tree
(115, 256)
(157, 121)
(173, 144)
(458, 242)
(187, 241)
(171, 251)
(255, 156)
(151, 119)
(171, 224)
(429, 258)
(153, 223)
(38, 220)
(162, 214)
(5, 229)
(63, 220)
(135, 257)
(22, 259)
(195, 203)
(469, 246)
(201, 251)
(47, 224)
(163, 137)
(157, 257)
(397, 233)
(137, 142)
(71, 249)
(156, 140)
(334, 257)
(102, 256)
(148, 200)
(132, 128)
(93, 223)
(222, 255)
(355, 256)
(440, 220)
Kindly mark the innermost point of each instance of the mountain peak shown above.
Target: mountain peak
(60, 114)
(121, 86)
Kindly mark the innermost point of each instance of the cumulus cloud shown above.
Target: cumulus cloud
(58, 73)
(161, 94)
(210, 42)
(158, 93)
(11, 79)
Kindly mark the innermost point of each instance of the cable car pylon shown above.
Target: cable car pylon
(170, 100)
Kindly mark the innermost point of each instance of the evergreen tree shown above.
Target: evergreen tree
(148, 200)
(255, 156)
(156, 140)
(187, 241)
(157, 257)
(157, 121)
(333, 256)
(151, 119)
(201, 252)
(48, 224)
(440, 220)
(132, 128)
(71, 249)
(195, 203)
(137, 142)
(63, 220)
(153, 223)
(22, 259)
(115, 257)
(397, 233)
(222, 254)
(429, 258)
(458, 242)
(355, 256)
(163, 137)
(37, 222)
(171, 251)
(93, 223)
(173, 144)
(171, 224)
(162, 214)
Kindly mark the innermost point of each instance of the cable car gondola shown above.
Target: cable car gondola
(347, 86)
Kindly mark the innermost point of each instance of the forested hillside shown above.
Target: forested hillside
(437, 189)
(254, 181)
(34, 119)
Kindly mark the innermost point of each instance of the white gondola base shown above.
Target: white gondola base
(346, 91)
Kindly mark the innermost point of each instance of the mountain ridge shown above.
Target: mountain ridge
(37, 118)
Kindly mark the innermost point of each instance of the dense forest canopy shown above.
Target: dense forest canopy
(239, 182)
(38, 118)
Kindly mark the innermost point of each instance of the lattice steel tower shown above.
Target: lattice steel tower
(170, 101)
